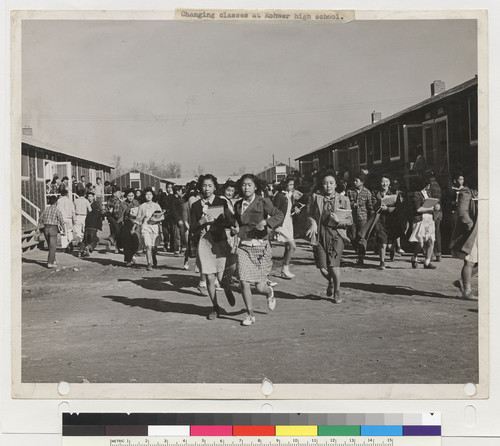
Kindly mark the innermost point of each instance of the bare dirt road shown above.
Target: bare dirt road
(95, 320)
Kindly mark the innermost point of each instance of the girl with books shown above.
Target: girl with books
(424, 231)
(209, 218)
(149, 216)
(386, 228)
(329, 215)
(130, 238)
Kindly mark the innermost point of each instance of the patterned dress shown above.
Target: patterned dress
(150, 231)
(424, 230)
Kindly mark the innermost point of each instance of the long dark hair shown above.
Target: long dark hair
(423, 183)
(128, 191)
(321, 177)
(148, 189)
(382, 176)
(227, 184)
(259, 187)
(284, 183)
(207, 176)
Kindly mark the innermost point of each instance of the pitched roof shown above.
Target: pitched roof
(44, 146)
(145, 173)
(422, 104)
(221, 179)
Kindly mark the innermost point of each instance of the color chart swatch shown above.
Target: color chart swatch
(252, 425)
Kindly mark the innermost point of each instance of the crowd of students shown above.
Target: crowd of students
(389, 215)
(101, 190)
(230, 229)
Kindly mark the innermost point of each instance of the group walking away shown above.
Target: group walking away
(229, 230)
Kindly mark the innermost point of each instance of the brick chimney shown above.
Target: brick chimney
(437, 87)
(376, 116)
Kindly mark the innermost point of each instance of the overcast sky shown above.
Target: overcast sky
(227, 95)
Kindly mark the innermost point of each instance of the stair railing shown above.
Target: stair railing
(32, 206)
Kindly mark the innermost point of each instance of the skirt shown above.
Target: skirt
(286, 230)
(423, 230)
(255, 262)
(472, 257)
(328, 253)
(212, 255)
(150, 235)
(233, 241)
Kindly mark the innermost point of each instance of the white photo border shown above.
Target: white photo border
(249, 391)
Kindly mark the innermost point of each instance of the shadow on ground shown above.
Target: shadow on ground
(175, 307)
(36, 262)
(161, 305)
(393, 290)
(178, 283)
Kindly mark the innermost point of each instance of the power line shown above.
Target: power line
(368, 105)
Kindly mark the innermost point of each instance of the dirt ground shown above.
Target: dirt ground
(96, 320)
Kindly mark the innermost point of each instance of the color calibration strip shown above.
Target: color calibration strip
(252, 425)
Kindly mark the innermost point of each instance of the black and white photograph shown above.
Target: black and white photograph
(232, 202)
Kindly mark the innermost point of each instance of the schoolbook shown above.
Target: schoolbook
(344, 216)
(297, 208)
(389, 200)
(156, 217)
(429, 203)
(215, 211)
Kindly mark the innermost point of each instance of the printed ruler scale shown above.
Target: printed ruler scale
(332, 441)
(252, 429)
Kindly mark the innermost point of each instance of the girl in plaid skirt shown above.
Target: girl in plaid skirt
(255, 215)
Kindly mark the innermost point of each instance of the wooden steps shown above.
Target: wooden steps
(28, 240)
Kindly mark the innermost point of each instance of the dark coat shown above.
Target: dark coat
(260, 209)
(173, 207)
(94, 217)
(217, 228)
(128, 206)
(280, 201)
(80, 187)
(465, 231)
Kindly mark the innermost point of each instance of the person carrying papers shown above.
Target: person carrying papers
(424, 230)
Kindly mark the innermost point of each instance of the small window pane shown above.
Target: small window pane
(394, 141)
(362, 152)
(377, 150)
(473, 117)
(39, 168)
(25, 171)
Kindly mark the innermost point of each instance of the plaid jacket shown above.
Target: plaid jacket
(361, 203)
(51, 215)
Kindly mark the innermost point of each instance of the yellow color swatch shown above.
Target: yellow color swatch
(296, 431)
